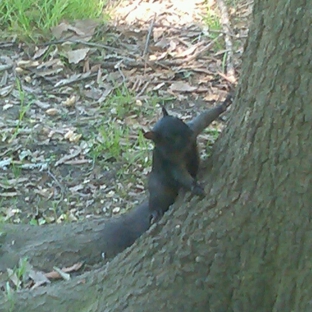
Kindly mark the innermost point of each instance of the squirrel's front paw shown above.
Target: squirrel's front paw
(155, 216)
(198, 190)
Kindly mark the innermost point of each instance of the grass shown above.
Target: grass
(23, 109)
(113, 140)
(9, 293)
(26, 17)
(212, 21)
(18, 272)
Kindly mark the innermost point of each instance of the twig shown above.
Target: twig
(68, 82)
(57, 182)
(120, 72)
(5, 67)
(165, 63)
(198, 53)
(148, 37)
(143, 89)
(83, 42)
(226, 25)
(7, 44)
(37, 74)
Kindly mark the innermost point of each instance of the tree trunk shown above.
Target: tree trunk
(247, 246)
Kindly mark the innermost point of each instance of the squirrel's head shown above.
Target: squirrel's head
(170, 133)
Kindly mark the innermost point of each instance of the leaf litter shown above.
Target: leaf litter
(56, 96)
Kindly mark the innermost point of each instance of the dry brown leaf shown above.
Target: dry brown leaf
(76, 188)
(87, 26)
(190, 50)
(71, 136)
(70, 102)
(54, 63)
(42, 104)
(106, 93)
(46, 193)
(172, 46)
(157, 33)
(63, 275)
(73, 268)
(93, 93)
(78, 55)
(27, 63)
(58, 30)
(180, 86)
(72, 79)
(56, 275)
(83, 30)
(4, 79)
(50, 67)
(53, 275)
(5, 91)
(40, 52)
(39, 278)
(52, 112)
(65, 158)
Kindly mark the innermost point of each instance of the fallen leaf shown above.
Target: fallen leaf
(7, 106)
(180, 86)
(68, 157)
(58, 30)
(56, 273)
(62, 274)
(71, 136)
(52, 112)
(70, 102)
(78, 55)
(5, 91)
(39, 278)
(73, 268)
(40, 52)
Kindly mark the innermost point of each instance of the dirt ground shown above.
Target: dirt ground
(73, 109)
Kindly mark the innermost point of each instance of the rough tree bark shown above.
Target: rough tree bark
(247, 246)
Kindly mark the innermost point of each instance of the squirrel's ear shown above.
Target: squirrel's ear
(164, 111)
(150, 135)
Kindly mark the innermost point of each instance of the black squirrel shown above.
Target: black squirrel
(175, 163)
(121, 232)
(176, 160)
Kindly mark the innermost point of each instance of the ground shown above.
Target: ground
(73, 109)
